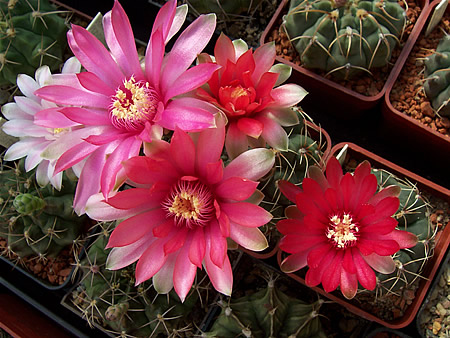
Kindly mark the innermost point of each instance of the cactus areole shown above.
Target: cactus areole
(343, 37)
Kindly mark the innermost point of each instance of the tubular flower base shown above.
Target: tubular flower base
(243, 88)
(186, 206)
(342, 228)
(122, 105)
(34, 138)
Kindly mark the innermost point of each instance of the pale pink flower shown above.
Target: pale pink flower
(185, 208)
(342, 228)
(248, 90)
(122, 105)
(34, 139)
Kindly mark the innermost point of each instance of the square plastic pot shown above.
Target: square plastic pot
(442, 240)
(398, 123)
(350, 104)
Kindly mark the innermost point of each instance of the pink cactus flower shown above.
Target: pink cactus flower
(122, 105)
(342, 228)
(244, 90)
(184, 209)
(35, 139)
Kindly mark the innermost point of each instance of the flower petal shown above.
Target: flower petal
(287, 95)
(184, 272)
(236, 188)
(252, 164)
(382, 264)
(163, 279)
(221, 278)
(294, 262)
(246, 214)
(249, 238)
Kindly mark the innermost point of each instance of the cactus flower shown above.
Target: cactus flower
(34, 139)
(341, 228)
(122, 105)
(247, 89)
(185, 207)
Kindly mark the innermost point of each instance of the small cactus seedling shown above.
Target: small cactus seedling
(34, 220)
(344, 37)
(437, 77)
(32, 34)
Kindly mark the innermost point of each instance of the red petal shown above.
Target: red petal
(198, 247)
(236, 188)
(334, 173)
(349, 284)
(366, 276)
(288, 189)
(332, 275)
(250, 127)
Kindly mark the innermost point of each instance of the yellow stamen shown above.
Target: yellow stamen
(342, 231)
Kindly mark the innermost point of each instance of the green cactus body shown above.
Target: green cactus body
(31, 35)
(344, 37)
(36, 220)
(267, 313)
(111, 299)
(437, 77)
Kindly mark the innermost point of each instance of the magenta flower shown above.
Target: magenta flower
(342, 228)
(244, 90)
(185, 208)
(122, 105)
(34, 139)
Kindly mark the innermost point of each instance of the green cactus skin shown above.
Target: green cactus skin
(34, 220)
(31, 35)
(412, 216)
(268, 312)
(222, 7)
(344, 37)
(437, 77)
(111, 299)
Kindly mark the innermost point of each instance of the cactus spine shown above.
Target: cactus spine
(437, 77)
(31, 35)
(344, 37)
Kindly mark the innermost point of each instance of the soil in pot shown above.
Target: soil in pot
(407, 94)
(365, 84)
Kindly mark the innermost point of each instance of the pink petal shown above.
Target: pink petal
(218, 251)
(151, 261)
(182, 149)
(214, 172)
(224, 224)
(184, 272)
(136, 197)
(250, 238)
(73, 97)
(190, 80)
(94, 56)
(246, 214)
(288, 95)
(154, 58)
(250, 127)
(126, 149)
(146, 170)
(224, 50)
(365, 274)
(133, 228)
(98, 209)
(163, 279)
(264, 58)
(53, 118)
(349, 284)
(89, 184)
(74, 155)
(164, 229)
(404, 239)
(187, 114)
(87, 116)
(92, 83)
(221, 278)
(236, 141)
(190, 43)
(164, 18)
(382, 264)
(236, 188)
(252, 164)
(197, 248)
(120, 39)
(294, 262)
(121, 257)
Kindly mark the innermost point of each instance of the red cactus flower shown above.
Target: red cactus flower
(247, 88)
(342, 228)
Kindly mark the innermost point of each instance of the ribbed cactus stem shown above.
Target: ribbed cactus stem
(27, 203)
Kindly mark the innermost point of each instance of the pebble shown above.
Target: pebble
(436, 327)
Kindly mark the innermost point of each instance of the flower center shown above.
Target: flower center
(190, 203)
(57, 131)
(342, 231)
(133, 104)
(237, 100)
